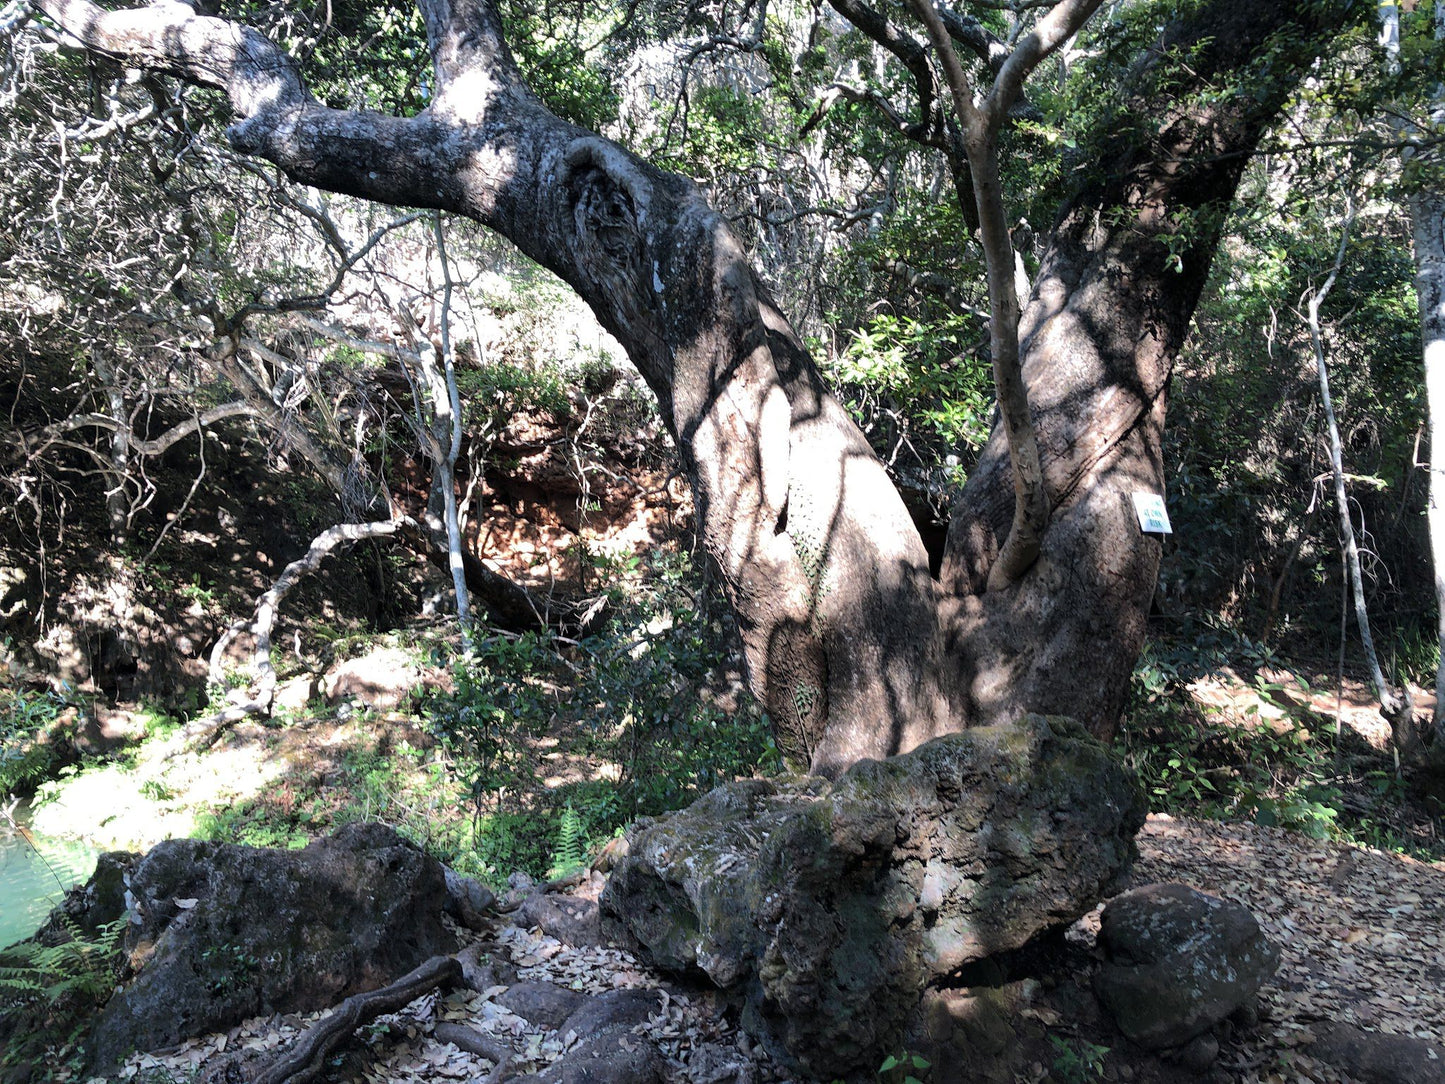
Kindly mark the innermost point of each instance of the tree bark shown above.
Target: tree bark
(1389, 705)
(1111, 305)
(263, 624)
(853, 649)
(1427, 233)
(1427, 219)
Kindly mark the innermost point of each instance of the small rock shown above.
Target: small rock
(1375, 1058)
(1199, 1053)
(481, 971)
(542, 1003)
(616, 1057)
(714, 1063)
(380, 679)
(293, 695)
(572, 921)
(468, 900)
(614, 1010)
(1178, 962)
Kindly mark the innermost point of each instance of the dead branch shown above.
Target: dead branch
(305, 1061)
(205, 731)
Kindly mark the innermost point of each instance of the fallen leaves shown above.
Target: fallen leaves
(1360, 938)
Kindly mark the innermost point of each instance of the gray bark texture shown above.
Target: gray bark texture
(852, 646)
(1427, 219)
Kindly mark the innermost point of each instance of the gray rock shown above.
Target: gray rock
(1376, 1058)
(1198, 1054)
(382, 678)
(615, 1010)
(612, 1049)
(468, 900)
(542, 1003)
(617, 1057)
(834, 906)
(229, 932)
(570, 920)
(1178, 961)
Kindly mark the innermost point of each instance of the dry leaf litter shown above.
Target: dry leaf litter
(1361, 933)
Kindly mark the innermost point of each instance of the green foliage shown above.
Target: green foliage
(29, 747)
(557, 50)
(495, 392)
(49, 991)
(919, 380)
(642, 697)
(724, 136)
(569, 854)
(1277, 771)
(904, 1069)
(1079, 1061)
(227, 967)
(501, 695)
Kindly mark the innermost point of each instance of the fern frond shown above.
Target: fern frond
(570, 853)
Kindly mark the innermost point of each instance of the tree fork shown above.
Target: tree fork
(851, 645)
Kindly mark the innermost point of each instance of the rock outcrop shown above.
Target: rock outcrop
(223, 932)
(1178, 961)
(832, 907)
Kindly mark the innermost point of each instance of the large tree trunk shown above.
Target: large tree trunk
(851, 645)
(1110, 308)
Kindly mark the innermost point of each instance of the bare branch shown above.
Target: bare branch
(1053, 30)
(263, 623)
(38, 440)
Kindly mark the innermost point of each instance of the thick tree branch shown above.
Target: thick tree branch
(910, 53)
(811, 538)
(981, 126)
(1052, 31)
(39, 439)
(263, 623)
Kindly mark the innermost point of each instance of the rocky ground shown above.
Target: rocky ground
(1359, 931)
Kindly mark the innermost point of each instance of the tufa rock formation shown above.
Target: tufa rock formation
(1178, 961)
(222, 932)
(833, 907)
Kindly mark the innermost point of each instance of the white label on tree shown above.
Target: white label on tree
(1153, 518)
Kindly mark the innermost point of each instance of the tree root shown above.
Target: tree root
(307, 1058)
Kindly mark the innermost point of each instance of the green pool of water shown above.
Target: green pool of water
(33, 878)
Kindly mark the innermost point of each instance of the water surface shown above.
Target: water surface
(34, 873)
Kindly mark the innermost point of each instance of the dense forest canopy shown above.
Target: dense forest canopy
(812, 230)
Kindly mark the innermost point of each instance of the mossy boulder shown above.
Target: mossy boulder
(832, 907)
(222, 932)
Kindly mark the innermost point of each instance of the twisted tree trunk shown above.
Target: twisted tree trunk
(853, 648)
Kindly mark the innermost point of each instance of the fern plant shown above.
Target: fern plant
(80, 965)
(570, 854)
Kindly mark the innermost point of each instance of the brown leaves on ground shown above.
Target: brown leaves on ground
(1361, 933)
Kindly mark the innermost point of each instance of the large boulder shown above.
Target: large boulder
(1177, 962)
(223, 932)
(834, 906)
